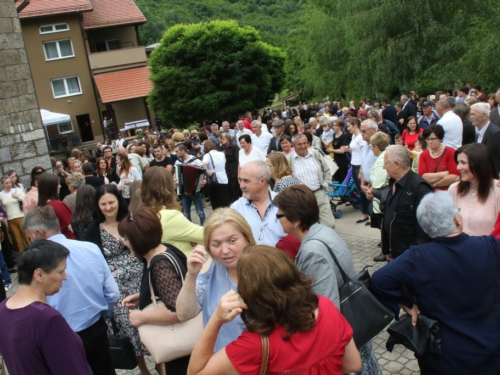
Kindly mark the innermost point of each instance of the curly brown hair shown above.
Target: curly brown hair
(275, 291)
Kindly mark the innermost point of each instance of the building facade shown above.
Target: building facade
(87, 62)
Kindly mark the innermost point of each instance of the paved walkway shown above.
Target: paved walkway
(362, 242)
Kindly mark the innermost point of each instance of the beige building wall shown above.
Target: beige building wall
(129, 110)
(44, 71)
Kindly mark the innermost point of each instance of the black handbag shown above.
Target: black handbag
(422, 338)
(121, 349)
(211, 180)
(364, 312)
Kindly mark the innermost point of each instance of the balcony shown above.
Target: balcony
(118, 58)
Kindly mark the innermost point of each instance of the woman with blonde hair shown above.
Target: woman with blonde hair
(281, 172)
(225, 234)
(158, 193)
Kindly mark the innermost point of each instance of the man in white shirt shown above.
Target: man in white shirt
(241, 130)
(309, 166)
(451, 123)
(260, 139)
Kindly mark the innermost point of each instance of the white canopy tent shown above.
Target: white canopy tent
(61, 120)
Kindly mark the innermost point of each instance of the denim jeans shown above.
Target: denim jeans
(5, 271)
(198, 205)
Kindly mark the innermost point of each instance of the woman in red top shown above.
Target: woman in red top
(411, 133)
(48, 195)
(437, 164)
(307, 334)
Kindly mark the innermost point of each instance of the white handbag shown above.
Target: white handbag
(166, 343)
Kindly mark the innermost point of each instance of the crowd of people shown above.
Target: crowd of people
(92, 240)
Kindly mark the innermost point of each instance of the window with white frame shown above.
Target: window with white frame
(68, 86)
(58, 49)
(56, 28)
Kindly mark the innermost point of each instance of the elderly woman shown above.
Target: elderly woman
(437, 164)
(248, 153)
(280, 171)
(453, 283)
(378, 175)
(476, 195)
(293, 318)
(226, 234)
(48, 344)
(298, 214)
(74, 182)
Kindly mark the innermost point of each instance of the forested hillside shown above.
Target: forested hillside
(272, 18)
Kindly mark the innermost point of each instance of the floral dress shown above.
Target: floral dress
(127, 271)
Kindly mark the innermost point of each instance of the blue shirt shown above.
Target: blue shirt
(456, 281)
(266, 231)
(210, 287)
(90, 290)
(367, 160)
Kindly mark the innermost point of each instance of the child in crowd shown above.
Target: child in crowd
(398, 140)
(420, 145)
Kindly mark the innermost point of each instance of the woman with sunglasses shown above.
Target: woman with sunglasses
(109, 210)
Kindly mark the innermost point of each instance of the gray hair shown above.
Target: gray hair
(483, 108)
(374, 113)
(399, 153)
(371, 124)
(225, 122)
(403, 97)
(436, 213)
(42, 218)
(260, 168)
(298, 136)
(215, 126)
(497, 95)
(257, 122)
(76, 180)
(312, 119)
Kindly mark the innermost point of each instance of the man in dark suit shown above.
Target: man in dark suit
(495, 114)
(389, 112)
(408, 109)
(486, 132)
(274, 144)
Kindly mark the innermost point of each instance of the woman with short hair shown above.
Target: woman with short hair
(286, 145)
(48, 344)
(248, 153)
(142, 233)
(307, 334)
(476, 195)
(298, 214)
(437, 164)
(74, 182)
(453, 279)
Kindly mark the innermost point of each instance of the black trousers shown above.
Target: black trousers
(95, 342)
(427, 370)
(178, 366)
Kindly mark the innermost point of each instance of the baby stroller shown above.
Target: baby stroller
(345, 192)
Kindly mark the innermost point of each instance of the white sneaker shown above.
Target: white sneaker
(7, 287)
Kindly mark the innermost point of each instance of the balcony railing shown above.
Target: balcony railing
(119, 57)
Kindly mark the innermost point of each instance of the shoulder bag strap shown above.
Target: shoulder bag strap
(265, 354)
(177, 269)
(213, 165)
(441, 158)
(345, 277)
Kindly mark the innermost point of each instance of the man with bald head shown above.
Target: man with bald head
(256, 204)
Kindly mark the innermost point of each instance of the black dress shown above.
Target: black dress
(342, 160)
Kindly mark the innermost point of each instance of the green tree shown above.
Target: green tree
(213, 70)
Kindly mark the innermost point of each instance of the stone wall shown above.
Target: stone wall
(22, 139)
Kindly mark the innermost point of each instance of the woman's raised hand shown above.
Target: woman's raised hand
(196, 260)
(230, 306)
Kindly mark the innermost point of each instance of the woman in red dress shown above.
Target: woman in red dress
(307, 334)
(48, 195)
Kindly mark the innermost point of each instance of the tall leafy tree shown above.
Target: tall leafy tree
(213, 70)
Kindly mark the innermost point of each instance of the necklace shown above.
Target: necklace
(437, 153)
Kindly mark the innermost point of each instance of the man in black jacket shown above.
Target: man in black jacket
(487, 133)
(274, 144)
(389, 112)
(400, 228)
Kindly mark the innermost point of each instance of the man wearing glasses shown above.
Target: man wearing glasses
(256, 204)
